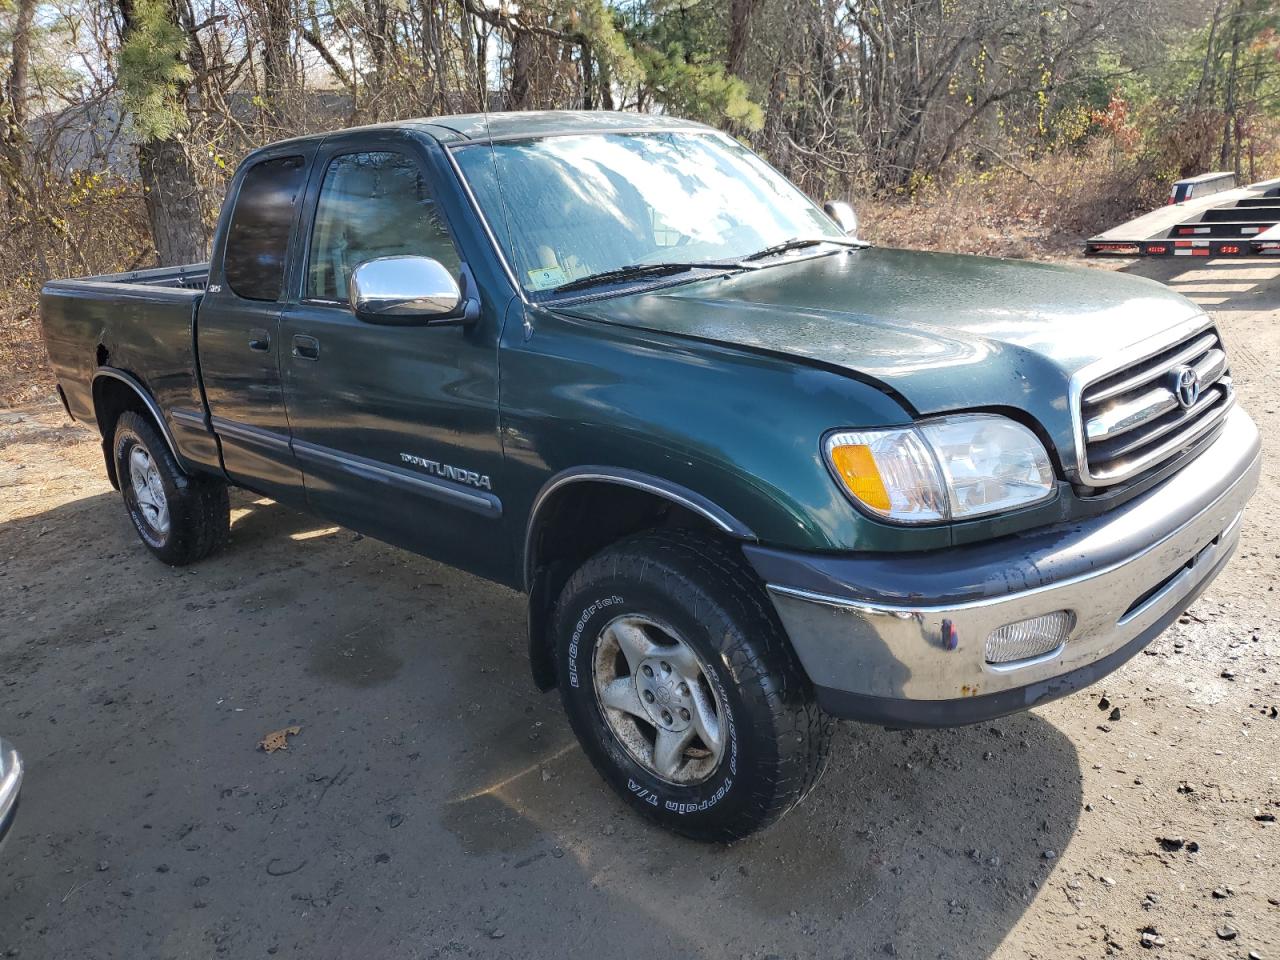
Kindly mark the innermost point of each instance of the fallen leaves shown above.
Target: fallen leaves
(278, 739)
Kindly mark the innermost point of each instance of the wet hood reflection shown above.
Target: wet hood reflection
(924, 325)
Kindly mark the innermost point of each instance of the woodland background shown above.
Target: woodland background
(1013, 127)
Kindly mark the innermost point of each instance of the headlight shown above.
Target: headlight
(951, 468)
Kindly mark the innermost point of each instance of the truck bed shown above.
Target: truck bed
(140, 324)
(190, 276)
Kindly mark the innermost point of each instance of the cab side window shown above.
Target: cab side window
(258, 236)
(373, 205)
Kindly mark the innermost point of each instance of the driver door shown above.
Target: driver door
(395, 427)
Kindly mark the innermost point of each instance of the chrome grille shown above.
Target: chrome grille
(1133, 418)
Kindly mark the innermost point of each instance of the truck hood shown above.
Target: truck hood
(943, 332)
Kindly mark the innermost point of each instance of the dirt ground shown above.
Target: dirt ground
(434, 805)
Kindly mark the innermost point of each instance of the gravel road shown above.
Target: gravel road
(434, 805)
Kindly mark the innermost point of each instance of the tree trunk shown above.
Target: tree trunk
(376, 23)
(471, 89)
(173, 202)
(1230, 121)
(740, 13)
(523, 55)
(21, 59)
(14, 113)
(1204, 90)
(588, 77)
(277, 63)
(171, 191)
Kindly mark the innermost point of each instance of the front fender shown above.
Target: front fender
(736, 432)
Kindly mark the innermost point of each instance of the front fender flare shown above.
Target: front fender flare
(539, 590)
(691, 500)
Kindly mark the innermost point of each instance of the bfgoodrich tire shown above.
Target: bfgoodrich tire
(180, 518)
(682, 688)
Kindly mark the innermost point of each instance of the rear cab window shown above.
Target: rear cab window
(257, 244)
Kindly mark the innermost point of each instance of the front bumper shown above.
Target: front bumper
(10, 782)
(869, 629)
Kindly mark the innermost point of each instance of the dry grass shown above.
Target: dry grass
(88, 224)
(24, 366)
(1035, 210)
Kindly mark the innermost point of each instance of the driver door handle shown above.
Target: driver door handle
(259, 340)
(306, 348)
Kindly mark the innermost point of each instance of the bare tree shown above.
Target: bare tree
(887, 95)
(14, 107)
(170, 183)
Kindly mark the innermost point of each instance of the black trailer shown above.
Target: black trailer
(1206, 216)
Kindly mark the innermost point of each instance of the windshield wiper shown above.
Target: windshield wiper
(798, 243)
(641, 271)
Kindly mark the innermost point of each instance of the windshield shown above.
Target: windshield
(576, 206)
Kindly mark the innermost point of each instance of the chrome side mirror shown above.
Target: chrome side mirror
(842, 213)
(405, 290)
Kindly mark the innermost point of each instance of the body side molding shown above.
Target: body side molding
(253, 436)
(190, 419)
(477, 501)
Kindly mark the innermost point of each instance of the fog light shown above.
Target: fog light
(1030, 638)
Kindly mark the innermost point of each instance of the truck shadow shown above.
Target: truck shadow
(256, 520)
(917, 844)
(432, 795)
(1219, 283)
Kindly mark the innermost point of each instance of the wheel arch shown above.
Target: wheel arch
(115, 391)
(581, 510)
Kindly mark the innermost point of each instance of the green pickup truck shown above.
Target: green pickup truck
(752, 473)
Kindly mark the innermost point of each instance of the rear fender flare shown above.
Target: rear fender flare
(148, 401)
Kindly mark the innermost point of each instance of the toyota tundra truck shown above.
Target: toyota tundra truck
(752, 473)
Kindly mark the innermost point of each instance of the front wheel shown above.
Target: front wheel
(682, 687)
(180, 518)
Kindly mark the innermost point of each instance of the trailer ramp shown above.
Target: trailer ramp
(1215, 218)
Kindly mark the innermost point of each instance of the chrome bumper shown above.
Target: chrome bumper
(10, 782)
(1125, 574)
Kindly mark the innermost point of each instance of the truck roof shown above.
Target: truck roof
(517, 124)
(541, 123)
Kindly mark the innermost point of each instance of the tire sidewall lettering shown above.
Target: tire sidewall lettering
(575, 641)
(125, 442)
(639, 784)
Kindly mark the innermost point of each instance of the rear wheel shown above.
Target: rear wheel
(180, 518)
(682, 687)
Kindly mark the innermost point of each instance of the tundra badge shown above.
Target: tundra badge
(456, 474)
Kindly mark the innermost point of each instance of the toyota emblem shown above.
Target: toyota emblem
(1186, 386)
